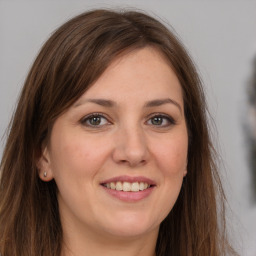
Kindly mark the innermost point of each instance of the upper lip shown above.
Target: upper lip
(129, 179)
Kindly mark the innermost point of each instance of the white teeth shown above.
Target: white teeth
(142, 186)
(119, 186)
(112, 185)
(135, 187)
(127, 186)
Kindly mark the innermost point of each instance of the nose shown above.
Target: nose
(131, 147)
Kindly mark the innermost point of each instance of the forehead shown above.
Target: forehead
(143, 72)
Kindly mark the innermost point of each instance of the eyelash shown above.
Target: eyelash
(169, 119)
(84, 121)
(89, 117)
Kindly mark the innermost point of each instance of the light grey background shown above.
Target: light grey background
(221, 37)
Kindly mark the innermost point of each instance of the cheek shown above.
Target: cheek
(172, 163)
(172, 156)
(76, 155)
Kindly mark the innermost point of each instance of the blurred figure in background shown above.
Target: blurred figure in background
(252, 130)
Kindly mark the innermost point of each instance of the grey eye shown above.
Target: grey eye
(94, 120)
(157, 120)
(161, 121)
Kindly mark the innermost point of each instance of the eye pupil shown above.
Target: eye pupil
(95, 120)
(157, 120)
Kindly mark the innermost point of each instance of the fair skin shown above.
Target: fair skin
(126, 132)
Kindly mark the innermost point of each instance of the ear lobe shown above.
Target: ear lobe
(185, 169)
(44, 166)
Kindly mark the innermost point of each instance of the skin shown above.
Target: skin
(125, 141)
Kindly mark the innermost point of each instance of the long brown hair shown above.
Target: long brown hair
(71, 60)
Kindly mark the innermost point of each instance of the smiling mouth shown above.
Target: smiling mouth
(127, 186)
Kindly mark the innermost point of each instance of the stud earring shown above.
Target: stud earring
(45, 174)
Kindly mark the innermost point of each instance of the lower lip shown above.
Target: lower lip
(129, 196)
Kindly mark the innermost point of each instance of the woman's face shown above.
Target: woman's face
(119, 154)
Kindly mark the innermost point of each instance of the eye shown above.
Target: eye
(95, 120)
(161, 120)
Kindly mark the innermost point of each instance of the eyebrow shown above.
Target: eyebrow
(148, 104)
(101, 102)
(159, 102)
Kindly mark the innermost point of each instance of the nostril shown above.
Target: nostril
(128, 152)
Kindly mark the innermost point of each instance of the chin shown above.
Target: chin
(131, 225)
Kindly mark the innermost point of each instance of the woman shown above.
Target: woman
(108, 151)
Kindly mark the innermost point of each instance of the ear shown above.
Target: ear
(44, 166)
(185, 169)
